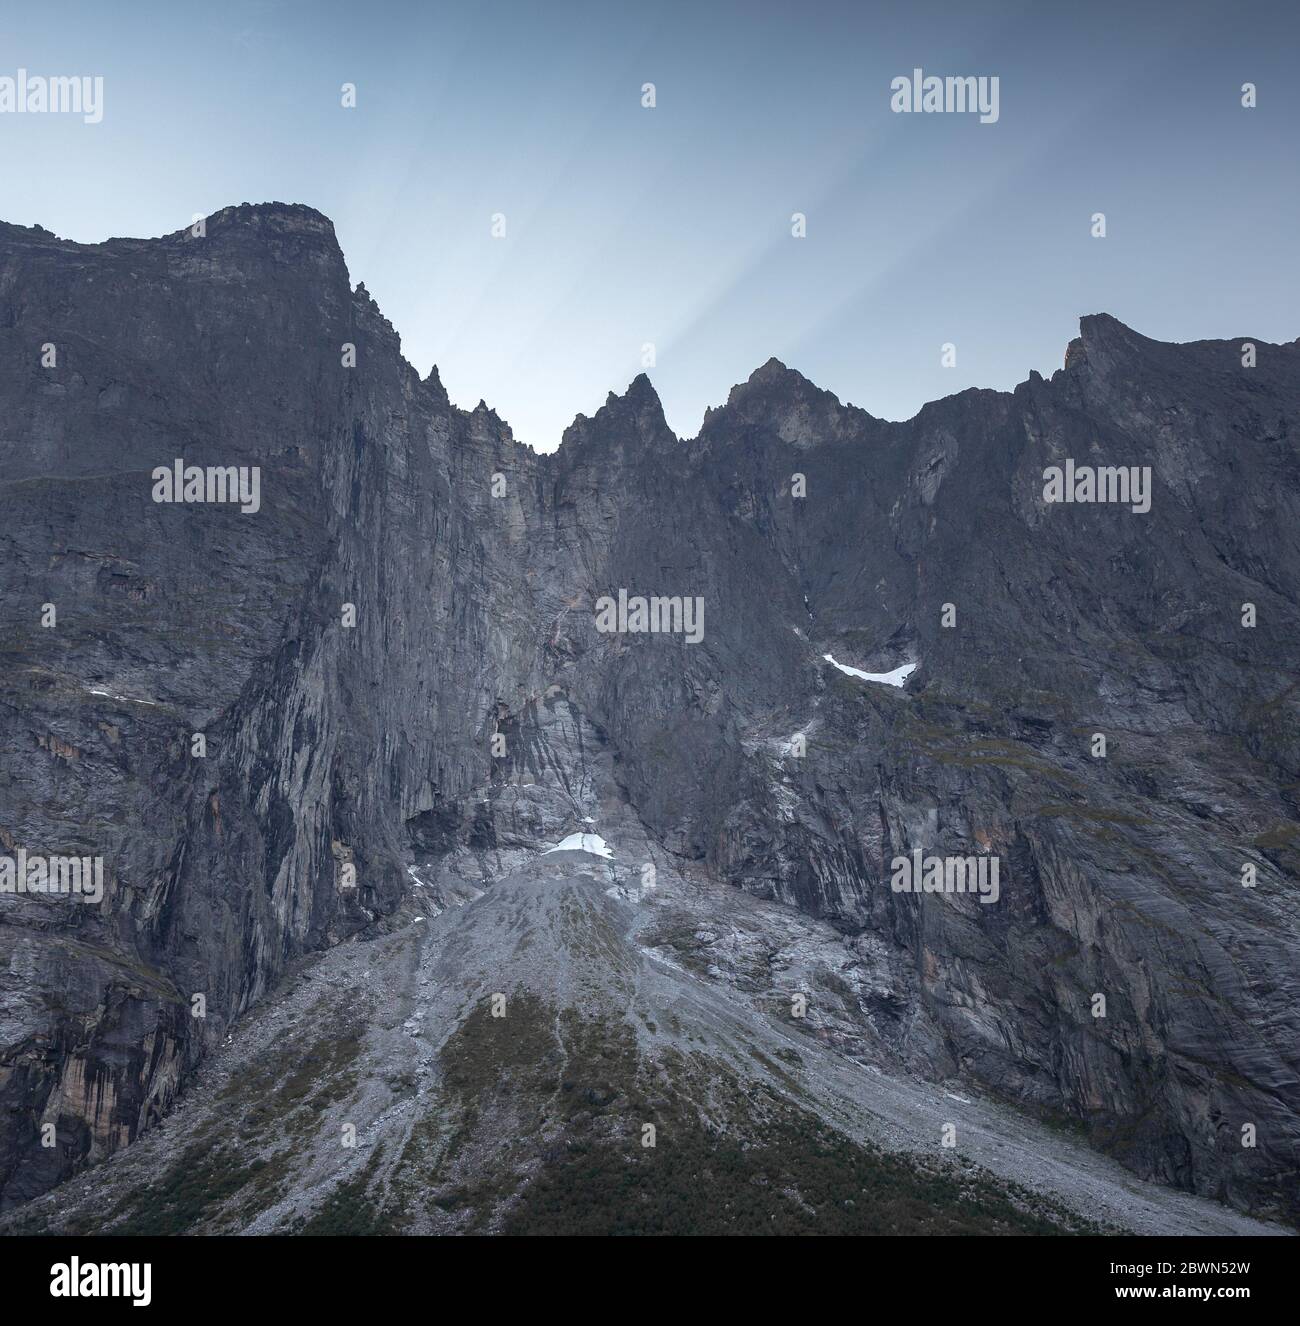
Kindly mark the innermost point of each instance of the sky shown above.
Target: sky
(671, 226)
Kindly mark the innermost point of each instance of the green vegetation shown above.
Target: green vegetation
(323, 1076)
(681, 939)
(193, 1189)
(350, 1210)
(226, 1181)
(803, 1179)
(540, 1127)
(579, 1095)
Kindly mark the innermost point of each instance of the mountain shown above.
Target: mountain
(396, 662)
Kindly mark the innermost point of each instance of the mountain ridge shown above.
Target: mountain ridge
(276, 219)
(366, 750)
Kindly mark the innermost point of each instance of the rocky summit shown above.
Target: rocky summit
(822, 824)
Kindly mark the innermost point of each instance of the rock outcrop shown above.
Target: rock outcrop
(395, 665)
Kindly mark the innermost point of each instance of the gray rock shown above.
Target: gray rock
(368, 748)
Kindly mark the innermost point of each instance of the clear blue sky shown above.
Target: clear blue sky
(672, 225)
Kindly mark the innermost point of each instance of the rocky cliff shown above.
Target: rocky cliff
(276, 725)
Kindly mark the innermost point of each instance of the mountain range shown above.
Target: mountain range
(425, 893)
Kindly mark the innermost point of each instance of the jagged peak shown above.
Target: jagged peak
(640, 391)
(775, 375)
(773, 371)
(1101, 332)
(637, 410)
(639, 398)
(432, 384)
(1101, 324)
(772, 382)
(1104, 329)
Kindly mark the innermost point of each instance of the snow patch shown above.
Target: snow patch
(583, 842)
(108, 695)
(895, 678)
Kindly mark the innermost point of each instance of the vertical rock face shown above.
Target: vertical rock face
(415, 583)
